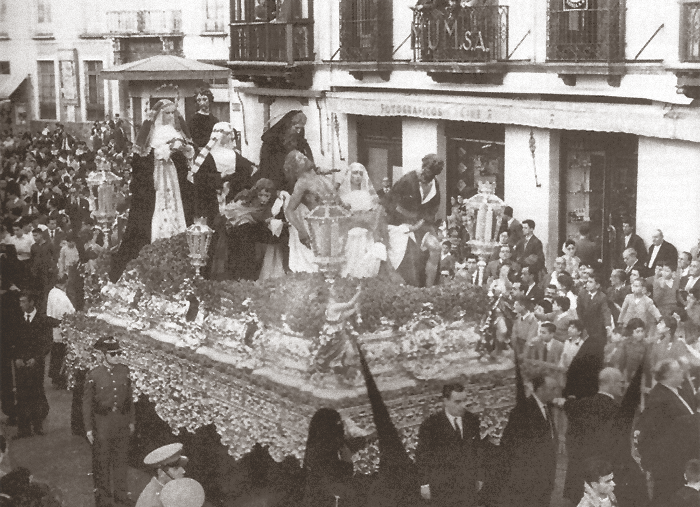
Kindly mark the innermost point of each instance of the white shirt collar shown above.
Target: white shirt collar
(431, 192)
(675, 391)
(543, 409)
(31, 314)
(607, 394)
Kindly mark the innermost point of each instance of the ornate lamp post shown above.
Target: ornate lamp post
(198, 238)
(328, 228)
(102, 183)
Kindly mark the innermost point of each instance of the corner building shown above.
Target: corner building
(581, 111)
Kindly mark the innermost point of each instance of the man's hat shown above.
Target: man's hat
(168, 455)
(107, 343)
(182, 493)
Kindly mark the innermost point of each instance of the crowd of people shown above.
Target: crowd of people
(601, 336)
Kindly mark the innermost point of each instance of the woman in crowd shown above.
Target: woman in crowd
(161, 194)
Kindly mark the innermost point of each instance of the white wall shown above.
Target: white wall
(520, 191)
(668, 191)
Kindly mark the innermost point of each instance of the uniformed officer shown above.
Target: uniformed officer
(108, 414)
(168, 464)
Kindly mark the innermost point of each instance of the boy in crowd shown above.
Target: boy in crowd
(633, 348)
(549, 350)
(599, 486)
(524, 327)
(559, 316)
(639, 305)
(572, 343)
(689, 495)
(614, 347)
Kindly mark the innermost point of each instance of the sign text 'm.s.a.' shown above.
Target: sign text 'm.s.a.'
(459, 33)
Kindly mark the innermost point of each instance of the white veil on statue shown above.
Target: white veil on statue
(363, 198)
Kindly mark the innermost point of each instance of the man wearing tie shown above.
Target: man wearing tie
(688, 283)
(629, 257)
(658, 435)
(530, 446)
(661, 250)
(29, 349)
(446, 455)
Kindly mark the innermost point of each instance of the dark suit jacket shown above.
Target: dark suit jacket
(529, 443)
(589, 434)
(32, 340)
(587, 251)
(637, 265)
(534, 293)
(667, 252)
(662, 410)
(686, 497)
(447, 263)
(525, 249)
(515, 231)
(593, 313)
(637, 243)
(682, 292)
(403, 203)
(78, 212)
(445, 462)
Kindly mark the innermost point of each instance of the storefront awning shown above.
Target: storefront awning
(656, 120)
(165, 67)
(9, 85)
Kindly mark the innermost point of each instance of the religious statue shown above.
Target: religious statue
(161, 195)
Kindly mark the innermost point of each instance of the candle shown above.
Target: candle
(481, 222)
(489, 225)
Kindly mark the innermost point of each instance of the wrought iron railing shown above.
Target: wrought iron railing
(589, 34)
(365, 30)
(263, 41)
(690, 32)
(144, 22)
(462, 34)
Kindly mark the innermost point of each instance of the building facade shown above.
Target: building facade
(54, 52)
(581, 111)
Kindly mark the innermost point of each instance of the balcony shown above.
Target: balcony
(587, 37)
(148, 23)
(688, 70)
(462, 44)
(272, 45)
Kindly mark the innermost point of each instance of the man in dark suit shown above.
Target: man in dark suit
(630, 260)
(665, 410)
(511, 226)
(55, 235)
(529, 444)
(529, 250)
(529, 279)
(593, 309)
(446, 456)
(661, 250)
(589, 433)
(31, 344)
(77, 209)
(630, 239)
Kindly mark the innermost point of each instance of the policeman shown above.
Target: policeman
(168, 464)
(108, 414)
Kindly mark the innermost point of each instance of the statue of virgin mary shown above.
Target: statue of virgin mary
(161, 195)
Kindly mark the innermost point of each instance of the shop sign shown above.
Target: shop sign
(575, 5)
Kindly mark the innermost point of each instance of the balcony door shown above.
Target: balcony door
(599, 189)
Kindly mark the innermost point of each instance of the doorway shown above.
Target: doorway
(599, 189)
(379, 148)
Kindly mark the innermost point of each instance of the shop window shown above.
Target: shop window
(215, 12)
(379, 148)
(47, 91)
(4, 67)
(94, 91)
(599, 189)
(475, 153)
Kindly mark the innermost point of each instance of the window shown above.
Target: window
(47, 91)
(94, 91)
(4, 67)
(215, 16)
(43, 12)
